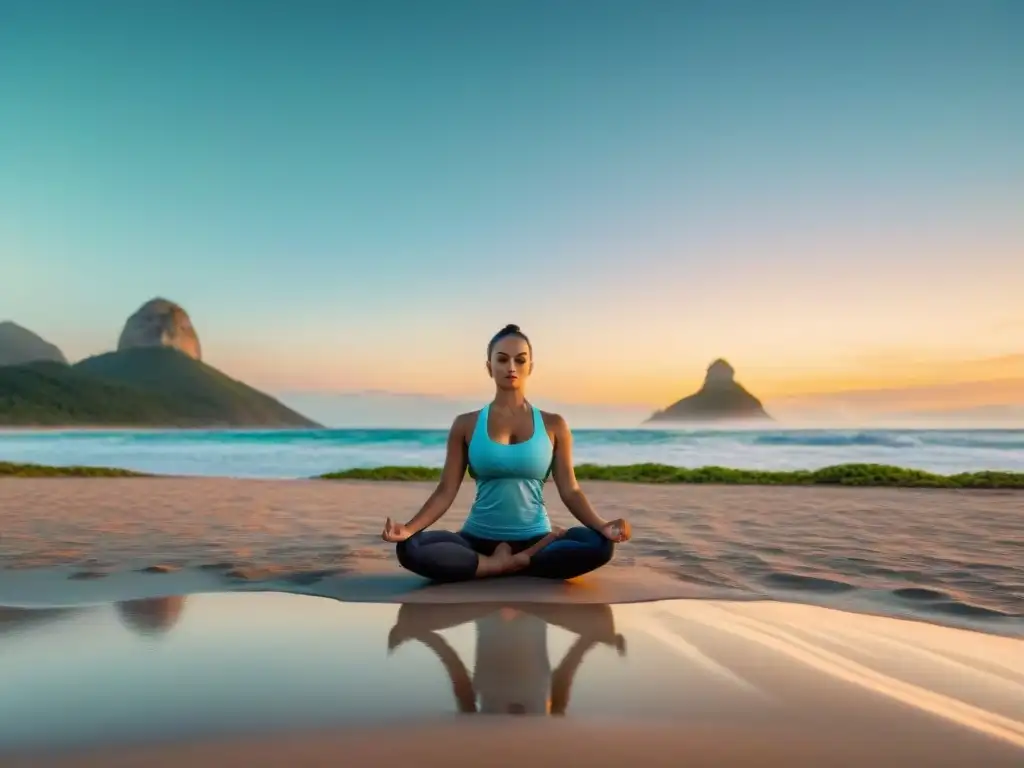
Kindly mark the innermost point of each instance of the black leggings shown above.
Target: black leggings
(447, 556)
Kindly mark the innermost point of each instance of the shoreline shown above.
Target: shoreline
(849, 475)
(51, 590)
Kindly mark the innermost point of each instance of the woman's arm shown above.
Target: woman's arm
(462, 684)
(455, 463)
(562, 677)
(569, 488)
(564, 475)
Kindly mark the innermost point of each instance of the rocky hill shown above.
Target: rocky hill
(155, 378)
(160, 323)
(720, 398)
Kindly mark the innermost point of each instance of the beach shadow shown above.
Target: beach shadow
(512, 674)
(152, 616)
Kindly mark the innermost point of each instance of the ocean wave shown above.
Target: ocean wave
(838, 439)
(1002, 440)
(306, 452)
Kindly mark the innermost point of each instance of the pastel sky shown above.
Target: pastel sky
(351, 196)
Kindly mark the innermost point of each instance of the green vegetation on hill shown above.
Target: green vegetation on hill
(865, 475)
(52, 394)
(144, 387)
(8, 469)
(198, 390)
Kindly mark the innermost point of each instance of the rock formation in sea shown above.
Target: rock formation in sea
(720, 398)
(161, 323)
(19, 346)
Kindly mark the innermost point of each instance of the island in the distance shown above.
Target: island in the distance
(155, 378)
(720, 398)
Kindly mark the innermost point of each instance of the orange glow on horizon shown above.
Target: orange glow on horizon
(632, 380)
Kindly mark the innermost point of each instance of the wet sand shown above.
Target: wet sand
(950, 556)
(547, 744)
(276, 679)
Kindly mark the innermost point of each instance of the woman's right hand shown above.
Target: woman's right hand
(617, 530)
(395, 532)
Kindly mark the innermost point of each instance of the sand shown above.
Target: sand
(949, 556)
(551, 744)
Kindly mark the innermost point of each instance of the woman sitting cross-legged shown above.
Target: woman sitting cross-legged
(510, 448)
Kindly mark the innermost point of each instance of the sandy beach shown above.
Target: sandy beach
(947, 556)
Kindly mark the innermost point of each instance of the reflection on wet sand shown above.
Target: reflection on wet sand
(152, 616)
(14, 620)
(512, 673)
(149, 617)
(272, 679)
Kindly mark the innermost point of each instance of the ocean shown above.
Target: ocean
(303, 453)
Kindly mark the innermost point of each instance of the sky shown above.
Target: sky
(355, 196)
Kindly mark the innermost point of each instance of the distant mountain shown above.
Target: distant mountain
(199, 391)
(155, 379)
(144, 387)
(720, 398)
(20, 345)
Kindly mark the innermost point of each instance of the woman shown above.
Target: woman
(512, 671)
(510, 448)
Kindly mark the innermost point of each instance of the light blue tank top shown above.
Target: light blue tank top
(510, 479)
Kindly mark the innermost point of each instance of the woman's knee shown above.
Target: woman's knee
(603, 548)
(583, 551)
(437, 555)
(406, 551)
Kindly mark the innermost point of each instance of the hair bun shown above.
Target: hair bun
(510, 328)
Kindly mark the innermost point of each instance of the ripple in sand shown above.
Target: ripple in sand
(278, 574)
(311, 577)
(966, 610)
(920, 593)
(160, 568)
(806, 583)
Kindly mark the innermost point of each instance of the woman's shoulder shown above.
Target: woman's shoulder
(554, 422)
(465, 423)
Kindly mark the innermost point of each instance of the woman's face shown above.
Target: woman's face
(511, 363)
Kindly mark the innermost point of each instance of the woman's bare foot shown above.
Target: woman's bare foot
(519, 561)
(522, 559)
(499, 562)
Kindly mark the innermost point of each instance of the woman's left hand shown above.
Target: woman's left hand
(616, 530)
